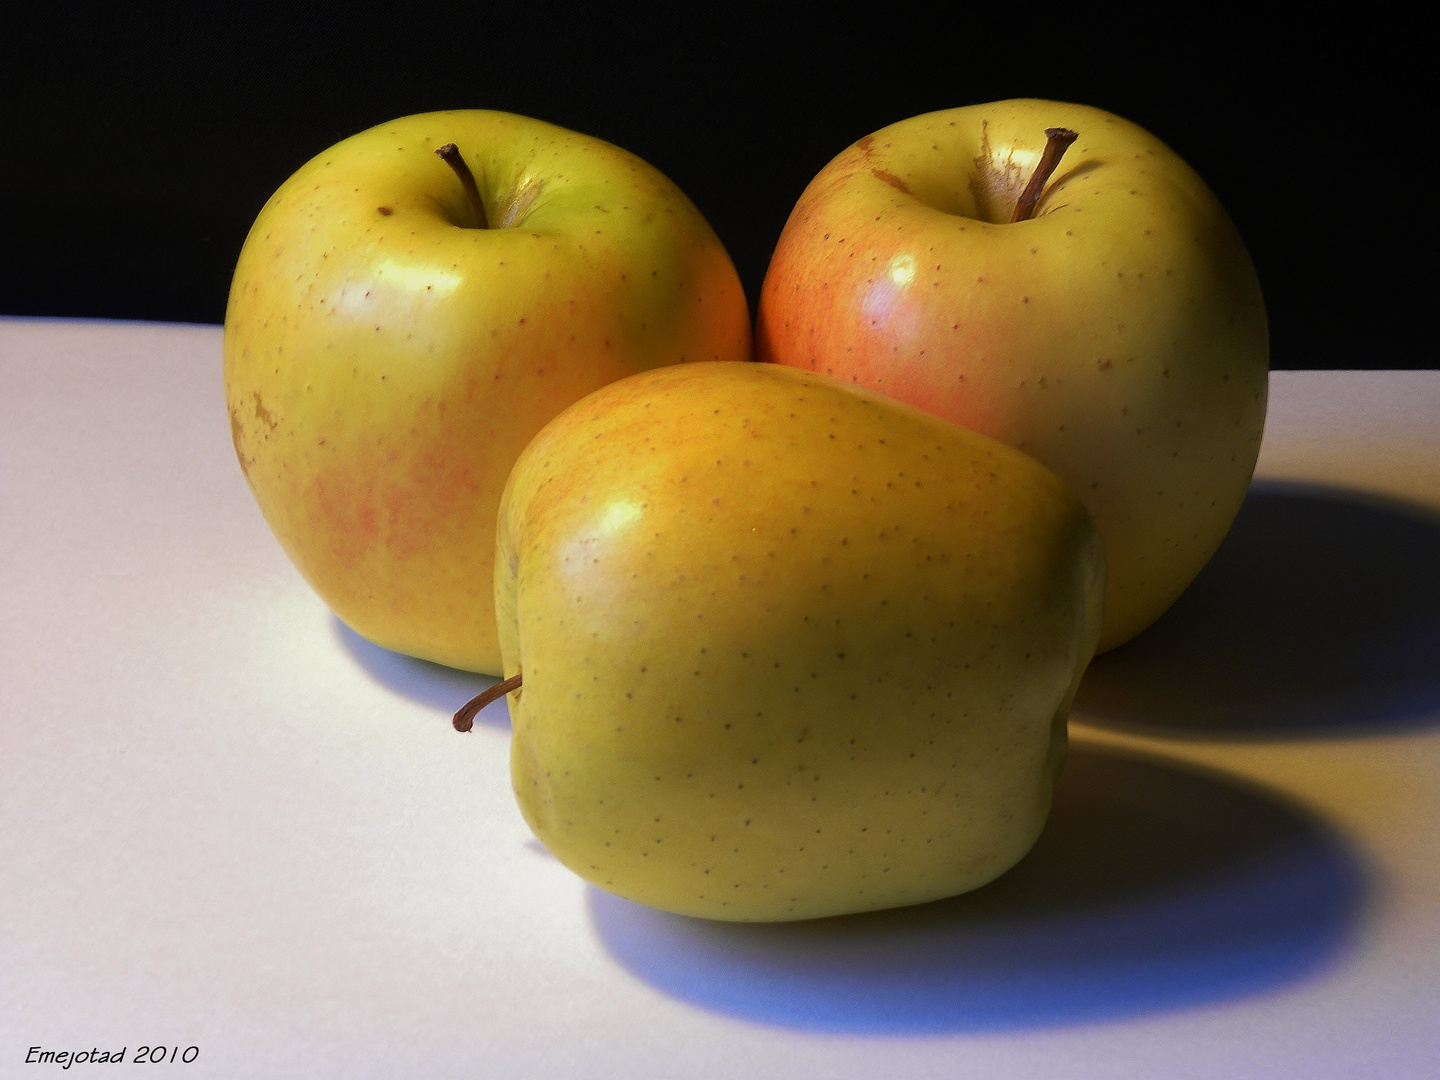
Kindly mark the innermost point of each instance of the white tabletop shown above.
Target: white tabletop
(228, 823)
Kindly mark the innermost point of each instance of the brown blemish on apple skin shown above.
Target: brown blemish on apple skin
(263, 414)
(237, 431)
(984, 180)
(891, 179)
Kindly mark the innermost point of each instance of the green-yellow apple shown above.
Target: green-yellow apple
(786, 648)
(387, 358)
(1116, 332)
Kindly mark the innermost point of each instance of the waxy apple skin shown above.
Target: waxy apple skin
(1119, 336)
(385, 364)
(789, 649)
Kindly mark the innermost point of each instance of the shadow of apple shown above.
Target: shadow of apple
(440, 687)
(1154, 887)
(1319, 615)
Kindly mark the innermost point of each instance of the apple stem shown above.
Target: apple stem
(465, 718)
(1057, 141)
(450, 154)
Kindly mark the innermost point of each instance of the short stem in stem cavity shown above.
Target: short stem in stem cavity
(450, 154)
(1057, 141)
(465, 718)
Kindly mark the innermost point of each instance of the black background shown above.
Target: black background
(139, 142)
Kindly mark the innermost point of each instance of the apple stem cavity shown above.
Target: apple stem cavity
(1057, 141)
(465, 718)
(450, 154)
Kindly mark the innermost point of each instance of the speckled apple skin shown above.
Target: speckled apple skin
(1119, 336)
(790, 649)
(385, 365)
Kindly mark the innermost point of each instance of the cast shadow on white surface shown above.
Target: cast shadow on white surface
(1155, 887)
(1319, 615)
(440, 687)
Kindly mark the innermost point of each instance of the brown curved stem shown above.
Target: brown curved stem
(450, 154)
(1057, 141)
(465, 718)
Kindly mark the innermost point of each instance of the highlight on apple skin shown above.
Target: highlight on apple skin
(386, 358)
(787, 648)
(1118, 335)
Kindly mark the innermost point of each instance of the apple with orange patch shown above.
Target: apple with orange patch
(1112, 327)
(400, 326)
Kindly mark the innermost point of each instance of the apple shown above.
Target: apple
(785, 648)
(1115, 331)
(400, 326)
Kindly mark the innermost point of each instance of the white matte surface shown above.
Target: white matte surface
(226, 822)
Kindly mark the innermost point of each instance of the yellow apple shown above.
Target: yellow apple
(1117, 333)
(787, 648)
(386, 359)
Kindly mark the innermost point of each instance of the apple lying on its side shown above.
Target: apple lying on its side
(399, 328)
(1116, 332)
(786, 648)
